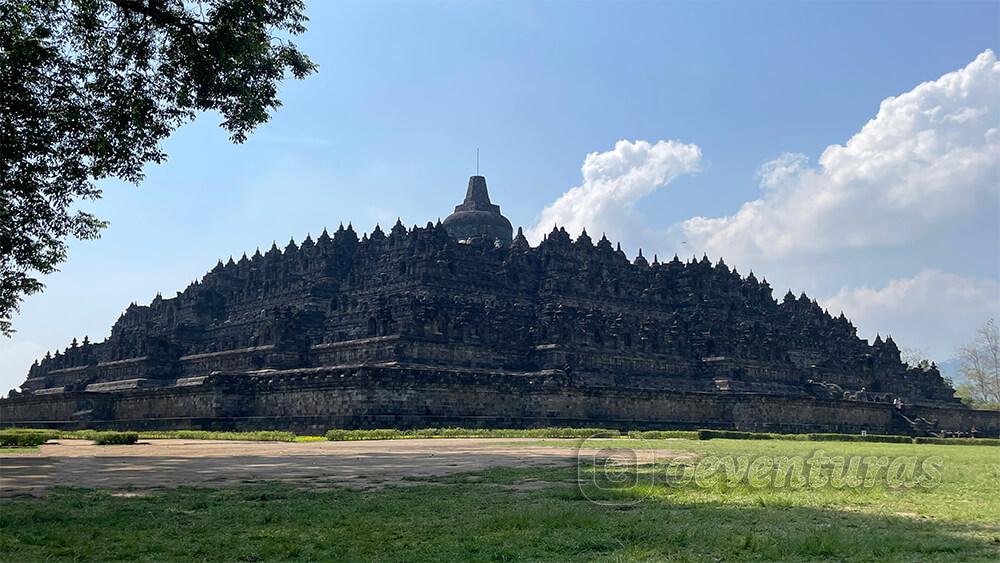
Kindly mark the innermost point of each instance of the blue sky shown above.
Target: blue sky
(407, 91)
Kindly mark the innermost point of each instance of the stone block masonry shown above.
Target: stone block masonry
(311, 401)
(464, 323)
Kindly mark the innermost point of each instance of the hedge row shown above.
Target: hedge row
(115, 438)
(704, 434)
(258, 436)
(21, 437)
(664, 434)
(79, 434)
(101, 438)
(831, 437)
(959, 441)
(859, 438)
(733, 435)
(24, 437)
(394, 434)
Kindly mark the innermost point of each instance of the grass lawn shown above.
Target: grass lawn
(497, 515)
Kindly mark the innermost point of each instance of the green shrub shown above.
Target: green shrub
(379, 434)
(707, 434)
(958, 441)
(49, 431)
(78, 434)
(258, 436)
(115, 438)
(859, 438)
(793, 437)
(395, 434)
(556, 433)
(25, 437)
(733, 435)
(664, 434)
(738, 435)
(255, 436)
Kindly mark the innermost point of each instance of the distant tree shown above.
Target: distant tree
(915, 358)
(981, 367)
(90, 88)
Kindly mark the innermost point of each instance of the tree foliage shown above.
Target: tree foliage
(90, 88)
(915, 358)
(981, 368)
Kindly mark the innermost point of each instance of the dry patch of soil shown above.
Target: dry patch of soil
(318, 465)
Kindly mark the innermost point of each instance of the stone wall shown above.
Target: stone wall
(417, 296)
(314, 400)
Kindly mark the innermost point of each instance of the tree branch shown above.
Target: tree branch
(153, 12)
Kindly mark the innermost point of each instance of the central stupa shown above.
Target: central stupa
(477, 217)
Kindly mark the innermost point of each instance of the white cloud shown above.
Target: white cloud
(916, 188)
(613, 182)
(927, 159)
(933, 309)
(781, 170)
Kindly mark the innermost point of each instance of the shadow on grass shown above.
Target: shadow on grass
(29, 475)
(749, 528)
(461, 521)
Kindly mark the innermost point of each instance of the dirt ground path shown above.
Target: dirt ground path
(171, 463)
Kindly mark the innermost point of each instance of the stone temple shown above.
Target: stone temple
(463, 323)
